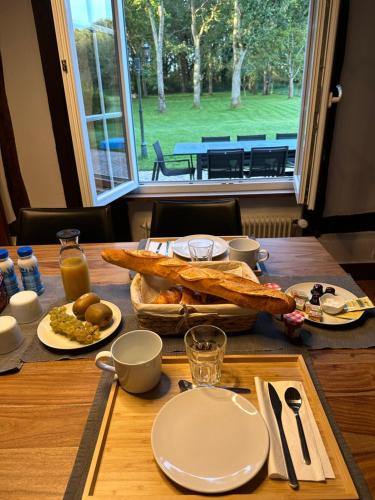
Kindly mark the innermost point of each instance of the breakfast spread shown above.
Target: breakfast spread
(233, 289)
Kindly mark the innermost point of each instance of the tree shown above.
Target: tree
(203, 14)
(158, 36)
(291, 39)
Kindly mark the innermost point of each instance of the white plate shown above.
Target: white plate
(209, 440)
(57, 341)
(341, 293)
(181, 248)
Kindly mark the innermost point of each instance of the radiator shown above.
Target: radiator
(260, 227)
(267, 227)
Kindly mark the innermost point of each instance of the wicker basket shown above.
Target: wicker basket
(176, 319)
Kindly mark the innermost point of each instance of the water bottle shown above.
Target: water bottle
(9, 273)
(28, 265)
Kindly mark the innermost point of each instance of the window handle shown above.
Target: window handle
(335, 99)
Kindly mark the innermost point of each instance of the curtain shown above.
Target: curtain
(13, 177)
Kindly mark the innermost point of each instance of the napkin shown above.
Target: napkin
(153, 246)
(320, 467)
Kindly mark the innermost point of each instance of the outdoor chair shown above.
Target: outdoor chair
(38, 226)
(257, 137)
(160, 164)
(217, 138)
(225, 164)
(291, 154)
(268, 162)
(286, 136)
(219, 217)
(202, 160)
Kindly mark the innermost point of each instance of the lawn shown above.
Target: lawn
(182, 123)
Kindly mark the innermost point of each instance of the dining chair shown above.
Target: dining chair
(268, 162)
(38, 226)
(225, 164)
(219, 217)
(160, 164)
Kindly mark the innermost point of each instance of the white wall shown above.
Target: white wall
(27, 98)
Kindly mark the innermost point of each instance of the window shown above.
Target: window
(115, 122)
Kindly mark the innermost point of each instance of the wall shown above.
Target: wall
(28, 105)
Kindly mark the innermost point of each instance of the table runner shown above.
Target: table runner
(87, 445)
(266, 335)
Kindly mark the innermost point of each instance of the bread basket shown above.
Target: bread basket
(176, 319)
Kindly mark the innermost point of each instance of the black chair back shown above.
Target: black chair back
(286, 136)
(223, 138)
(219, 217)
(38, 226)
(268, 162)
(225, 164)
(258, 137)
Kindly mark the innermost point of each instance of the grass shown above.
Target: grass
(182, 123)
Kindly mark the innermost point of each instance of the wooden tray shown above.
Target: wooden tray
(123, 464)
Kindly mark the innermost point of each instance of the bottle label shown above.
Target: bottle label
(31, 279)
(10, 281)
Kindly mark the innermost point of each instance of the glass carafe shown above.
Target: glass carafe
(73, 265)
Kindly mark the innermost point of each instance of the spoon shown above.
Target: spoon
(185, 385)
(294, 401)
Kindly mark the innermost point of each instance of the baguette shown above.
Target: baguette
(240, 291)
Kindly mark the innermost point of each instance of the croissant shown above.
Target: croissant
(240, 291)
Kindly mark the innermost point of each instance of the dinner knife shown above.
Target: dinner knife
(185, 385)
(277, 409)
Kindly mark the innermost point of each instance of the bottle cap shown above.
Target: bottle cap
(24, 251)
(68, 234)
(4, 254)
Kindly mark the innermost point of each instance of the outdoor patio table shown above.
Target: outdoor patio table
(199, 148)
(44, 406)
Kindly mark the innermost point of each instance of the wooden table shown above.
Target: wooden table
(44, 407)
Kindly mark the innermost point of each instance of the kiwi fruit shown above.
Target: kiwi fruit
(99, 314)
(83, 302)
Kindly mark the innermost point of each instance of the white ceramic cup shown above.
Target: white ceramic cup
(247, 251)
(136, 360)
(25, 306)
(10, 334)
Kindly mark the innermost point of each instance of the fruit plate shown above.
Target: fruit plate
(56, 341)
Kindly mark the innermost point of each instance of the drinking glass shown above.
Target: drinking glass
(205, 348)
(201, 249)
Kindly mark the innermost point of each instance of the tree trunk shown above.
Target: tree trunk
(197, 74)
(158, 36)
(197, 57)
(144, 88)
(210, 75)
(238, 57)
(182, 71)
(291, 78)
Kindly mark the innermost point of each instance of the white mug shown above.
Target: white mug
(247, 251)
(136, 360)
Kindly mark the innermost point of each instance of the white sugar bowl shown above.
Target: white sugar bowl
(10, 334)
(25, 306)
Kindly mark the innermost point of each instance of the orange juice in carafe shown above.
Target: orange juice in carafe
(75, 276)
(73, 265)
